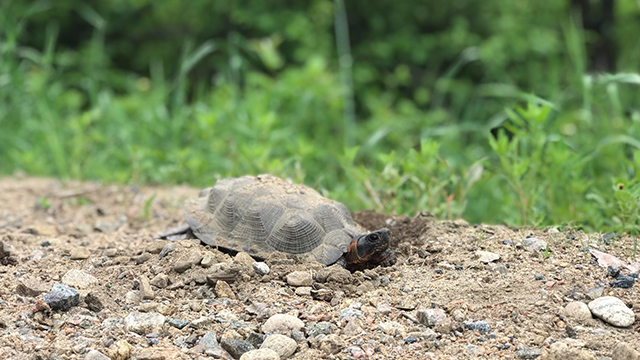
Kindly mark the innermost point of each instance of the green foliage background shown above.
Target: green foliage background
(172, 91)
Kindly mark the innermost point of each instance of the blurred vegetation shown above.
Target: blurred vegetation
(522, 112)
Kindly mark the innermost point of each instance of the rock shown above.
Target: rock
(223, 290)
(121, 350)
(255, 339)
(303, 291)
(406, 304)
(207, 260)
(43, 230)
(141, 259)
(236, 347)
(80, 253)
(282, 324)
(481, 326)
(486, 256)
(62, 297)
(525, 353)
(623, 351)
(534, 243)
(159, 354)
(8, 254)
(317, 329)
(31, 287)
(93, 301)
(244, 259)
(623, 281)
(300, 278)
(168, 248)
(594, 293)
(283, 345)
(350, 313)
(430, 317)
(577, 310)
(261, 268)
(352, 328)
(143, 323)
(332, 344)
(260, 354)
(132, 297)
(177, 323)
(228, 272)
(106, 226)
(561, 351)
(160, 281)
(210, 343)
(145, 288)
(334, 273)
(79, 279)
(155, 247)
(182, 265)
(612, 310)
(96, 355)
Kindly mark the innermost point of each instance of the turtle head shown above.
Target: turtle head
(369, 250)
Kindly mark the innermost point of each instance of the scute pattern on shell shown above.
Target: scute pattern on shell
(263, 214)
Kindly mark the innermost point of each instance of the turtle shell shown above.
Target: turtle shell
(263, 214)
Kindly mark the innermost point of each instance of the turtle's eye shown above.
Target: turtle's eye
(374, 237)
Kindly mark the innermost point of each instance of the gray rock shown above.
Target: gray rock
(283, 345)
(260, 354)
(211, 346)
(594, 293)
(207, 260)
(255, 339)
(577, 310)
(145, 288)
(160, 281)
(481, 326)
(79, 279)
(534, 243)
(623, 281)
(612, 310)
(525, 353)
(166, 250)
(350, 313)
(316, 329)
(93, 301)
(300, 278)
(298, 336)
(282, 324)
(261, 268)
(62, 297)
(31, 287)
(177, 323)
(624, 351)
(132, 297)
(236, 347)
(430, 317)
(143, 323)
(95, 355)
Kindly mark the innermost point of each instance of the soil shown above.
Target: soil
(49, 227)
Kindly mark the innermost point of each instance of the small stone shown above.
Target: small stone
(384, 308)
(160, 281)
(207, 260)
(94, 302)
(561, 351)
(352, 328)
(594, 293)
(406, 304)
(332, 344)
(300, 278)
(481, 326)
(142, 258)
(210, 343)
(121, 350)
(62, 297)
(145, 288)
(538, 277)
(177, 323)
(223, 290)
(534, 243)
(317, 329)
(350, 313)
(613, 271)
(155, 247)
(185, 264)
(578, 311)
(96, 355)
(334, 273)
(303, 291)
(255, 339)
(261, 268)
(624, 351)
(282, 324)
(486, 256)
(80, 253)
(260, 354)
(143, 323)
(430, 317)
(236, 347)
(31, 287)
(79, 279)
(283, 345)
(525, 353)
(623, 281)
(612, 310)
(132, 297)
(166, 250)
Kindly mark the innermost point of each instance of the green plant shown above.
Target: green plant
(146, 210)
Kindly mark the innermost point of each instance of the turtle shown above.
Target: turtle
(264, 214)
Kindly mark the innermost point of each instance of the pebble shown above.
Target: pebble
(612, 310)
(155, 247)
(525, 353)
(561, 351)
(624, 351)
(236, 347)
(143, 323)
(282, 324)
(538, 277)
(160, 281)
(623, 281)
(481, 326)
(223, 290)
(31, 287)
(283, 345)
(211, 346)
(192, 259)
(260, 354)
(177, 323)
(166, 250)
(613, 271)
(534, 243)
(430, 317)
(261, 268)
(303, 291)
(79, 279)
(121, 350)
(256, 339)
(145, 288)
(331, 344)
(80, 253)
(578, 311)
(96, 355)
(300, 278)
(142, 258)
(132, 297)
(94, 302)
(350, 313)
(62, 297)
(486, 256)
(594, 293)
(317, 329)
(207, 260)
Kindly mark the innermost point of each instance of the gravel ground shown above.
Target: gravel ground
(82, 277)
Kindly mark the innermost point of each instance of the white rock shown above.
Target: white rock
(282, 324)
(300, 278)
(534, 243)
(578, 311)
(143, 323)
(612, 310)
(79, 279)
(486, 256)
(430, 317)
(283, 345)
(261, 268)
(260, 354)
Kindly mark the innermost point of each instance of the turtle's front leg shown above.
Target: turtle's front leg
(386, 258)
